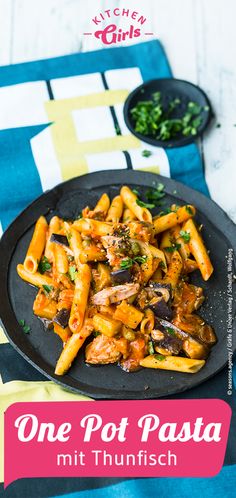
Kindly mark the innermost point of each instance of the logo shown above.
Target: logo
(112, 33)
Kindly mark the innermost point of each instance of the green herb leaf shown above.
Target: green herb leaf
(173, 247)
(140, 259)
(47, 289)
(189, 209)
(44, 265)
(126, 263)
(146, 153)
(144, 204)
(72, 273)
(26, 328)
(156, 194)
(96, 333)
(160, 357)
(166, 211)
(185, 236)
(136, 192)
(151, 349)
(170, 331)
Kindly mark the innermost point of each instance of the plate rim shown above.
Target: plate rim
(183, 191)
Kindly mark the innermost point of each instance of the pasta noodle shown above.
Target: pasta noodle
(36, 246)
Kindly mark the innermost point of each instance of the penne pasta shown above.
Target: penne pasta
(174, 270)
(64, 334)
(75, 242)
(169, 220)
(72, 347)
(116, 209)
(176, 363)
(92, 253)
(61, 261)
(54, 227)
(37, 245)
(103, 204)
(130, 200)
(128, 215)
(128, 315)
(79, 304)
(36, 279)
(198, 250)
(93, 227)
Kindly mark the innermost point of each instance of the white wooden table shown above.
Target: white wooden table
(199, 37)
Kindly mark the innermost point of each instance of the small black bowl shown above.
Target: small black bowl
(170, 89)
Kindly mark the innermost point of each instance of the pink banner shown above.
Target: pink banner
(183, 438)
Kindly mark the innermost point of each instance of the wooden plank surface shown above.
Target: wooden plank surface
(199, 39)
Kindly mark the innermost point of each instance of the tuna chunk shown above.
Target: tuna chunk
(115, 294)
(102, 350)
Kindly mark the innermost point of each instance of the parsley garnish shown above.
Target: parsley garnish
(96, 333)
(140, 259)
(47, 289)
(173, 247)
(128, 262)
(156, 194)
(151, 349)
(26, 328)
(146, 153)
(136, 192)
(167, 211)
(145, 204)
(170, 331)
(159, 357)
(185, 236)
(44, 265)
(189, 209)
(72, 273)
(151, 118)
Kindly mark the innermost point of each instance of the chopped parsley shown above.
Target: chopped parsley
(189, 209)
(96, 333)
(72, 273)
(140, 259)
(170, 331)
(162, 265)
(47, 289)
(44, 265)
(145, 204)
(185, 236)
(159, 357)
(128, 262)
(166, 211)
(151, 349)
(152, 118)
(173, 247)
(146, 153)
(156, 194)
(26, 328)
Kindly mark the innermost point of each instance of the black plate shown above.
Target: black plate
(42, 348)
(170, 89)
